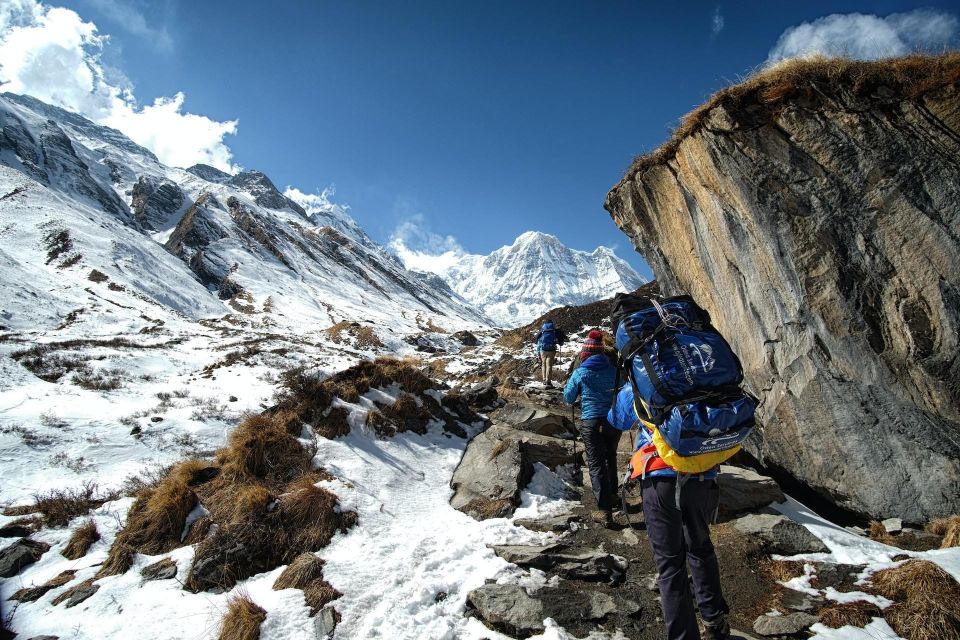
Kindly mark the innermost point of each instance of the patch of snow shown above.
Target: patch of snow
(878, 629)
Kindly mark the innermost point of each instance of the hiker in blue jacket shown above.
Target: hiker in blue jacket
(679, 537)
(547, 350)
(593, 383)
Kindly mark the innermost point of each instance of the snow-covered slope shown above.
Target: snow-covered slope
(77, 197)
(517, 283)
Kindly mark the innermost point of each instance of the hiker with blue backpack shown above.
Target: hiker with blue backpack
(547, 340)
(593, 383)
(684, 399)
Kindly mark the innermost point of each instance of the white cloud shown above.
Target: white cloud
(869, 37)
(717, 24)
(52, 54)
(421, 249)
(135, 22)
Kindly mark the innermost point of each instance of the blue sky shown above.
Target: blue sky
(469, 122)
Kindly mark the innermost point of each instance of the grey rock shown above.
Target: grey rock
(508, 607)
(893, 525)
(511, 609)
(780, 534)
(554, 524)
(744, 490)
(497, 464)
(325, 622)
(44, 638)
(584, 564)
(535, 419)
(835, 575)
(483, 394)
(784, 625)
(80, 593)
(652, 583)
(20, 554)
(800, 601)
(466, 338)
(490, 476)
(162, 570)
(154, 203)
(821, 235)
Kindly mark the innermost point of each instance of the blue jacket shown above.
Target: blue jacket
(547, 338)
(593, 381)
(623, 416)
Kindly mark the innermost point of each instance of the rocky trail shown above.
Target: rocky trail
(591, 579)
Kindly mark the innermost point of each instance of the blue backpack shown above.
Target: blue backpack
(547, 338)
(686, 380)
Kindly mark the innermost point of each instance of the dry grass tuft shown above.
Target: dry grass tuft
(304, 569)
(334, 424)
(320, 594)
(879, 533)
(949, 528)
(262, 449)
(60, 506)
(926, 599)
(242, 620)
(813, 80)
(81, 541)
(784, 570)
(853, 614)
(353, 332)
(119, 560)
(32, 594)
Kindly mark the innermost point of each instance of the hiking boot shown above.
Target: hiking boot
(602, 516)
(718, 629)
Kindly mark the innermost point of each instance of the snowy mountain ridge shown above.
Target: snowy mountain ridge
(198, 240)
(521, 281)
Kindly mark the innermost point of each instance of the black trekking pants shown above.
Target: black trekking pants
(600, 445)
(681, 538)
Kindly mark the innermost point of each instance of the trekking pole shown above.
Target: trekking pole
(576, 434)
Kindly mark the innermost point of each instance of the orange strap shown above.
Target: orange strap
(644, 460)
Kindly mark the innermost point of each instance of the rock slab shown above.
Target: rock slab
(780, 535)
(19, 555)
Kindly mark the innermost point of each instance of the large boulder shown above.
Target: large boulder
(781, 535)
(498, 463)
(816, 218)
(20, 554)
(744, 490)
(511, 609)
(536, 419)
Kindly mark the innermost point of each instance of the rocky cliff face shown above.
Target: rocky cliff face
(815, 211)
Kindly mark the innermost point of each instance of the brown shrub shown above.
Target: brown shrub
(81, 541)
(309, 518)
(784, 570)
(60, 506)
(262, 449)
(907, 78)
(21, 527)
(334, 424)
(854, 614)
(119, 559)
(879, 533)
(926, 600)
(242, 620)
(381, 424)
(320, 594)
(305, 569)
(949, 528)
(31, 594)
(348, 392)
(198, 531)
(158, 516)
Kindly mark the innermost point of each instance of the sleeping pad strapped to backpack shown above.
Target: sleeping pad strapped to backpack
(686, 381)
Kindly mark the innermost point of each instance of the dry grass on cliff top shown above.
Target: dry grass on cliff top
(770, 87)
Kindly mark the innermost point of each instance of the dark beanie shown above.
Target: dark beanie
(593, 345)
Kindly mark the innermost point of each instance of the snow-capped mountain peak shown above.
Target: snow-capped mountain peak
(536, 273)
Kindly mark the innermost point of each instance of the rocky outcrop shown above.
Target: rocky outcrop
(154, 203)
(815, 212)
(264, 193)
(498, 464)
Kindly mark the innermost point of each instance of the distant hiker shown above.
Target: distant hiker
(547, 340)
(593, 382)
(685, 401)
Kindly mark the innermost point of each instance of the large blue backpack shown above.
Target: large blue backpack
(686, 380)
(547, 338)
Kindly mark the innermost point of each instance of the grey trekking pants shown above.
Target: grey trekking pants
(546, 364)
(681, 538)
